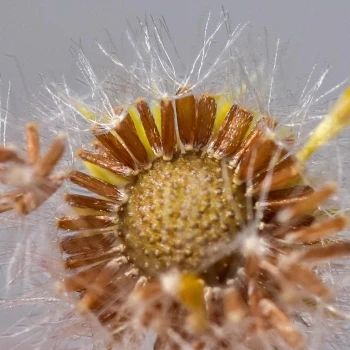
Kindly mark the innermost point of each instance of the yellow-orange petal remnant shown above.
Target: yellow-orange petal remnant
(337, 120)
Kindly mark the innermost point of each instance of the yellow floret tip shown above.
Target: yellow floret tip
(90, 115)
(223, 107)
(134, 114)
(336, 120)
(85, 112)
(191, 293)
(106, 175)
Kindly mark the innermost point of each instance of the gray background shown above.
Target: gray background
(38, 35)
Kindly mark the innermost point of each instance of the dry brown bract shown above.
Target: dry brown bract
(30, 177)
(213, 241)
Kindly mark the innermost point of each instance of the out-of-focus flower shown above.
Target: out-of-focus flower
(31, 177)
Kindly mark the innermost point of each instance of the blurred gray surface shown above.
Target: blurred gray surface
(39, 33)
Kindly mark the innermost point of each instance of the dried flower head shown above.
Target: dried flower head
(30, 178)
(196, 219)
(213, 238)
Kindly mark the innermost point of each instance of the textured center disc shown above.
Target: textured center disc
(179, 213)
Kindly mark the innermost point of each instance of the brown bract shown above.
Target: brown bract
(30, 177)
(213, 241)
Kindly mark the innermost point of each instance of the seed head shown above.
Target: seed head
(214, 237)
